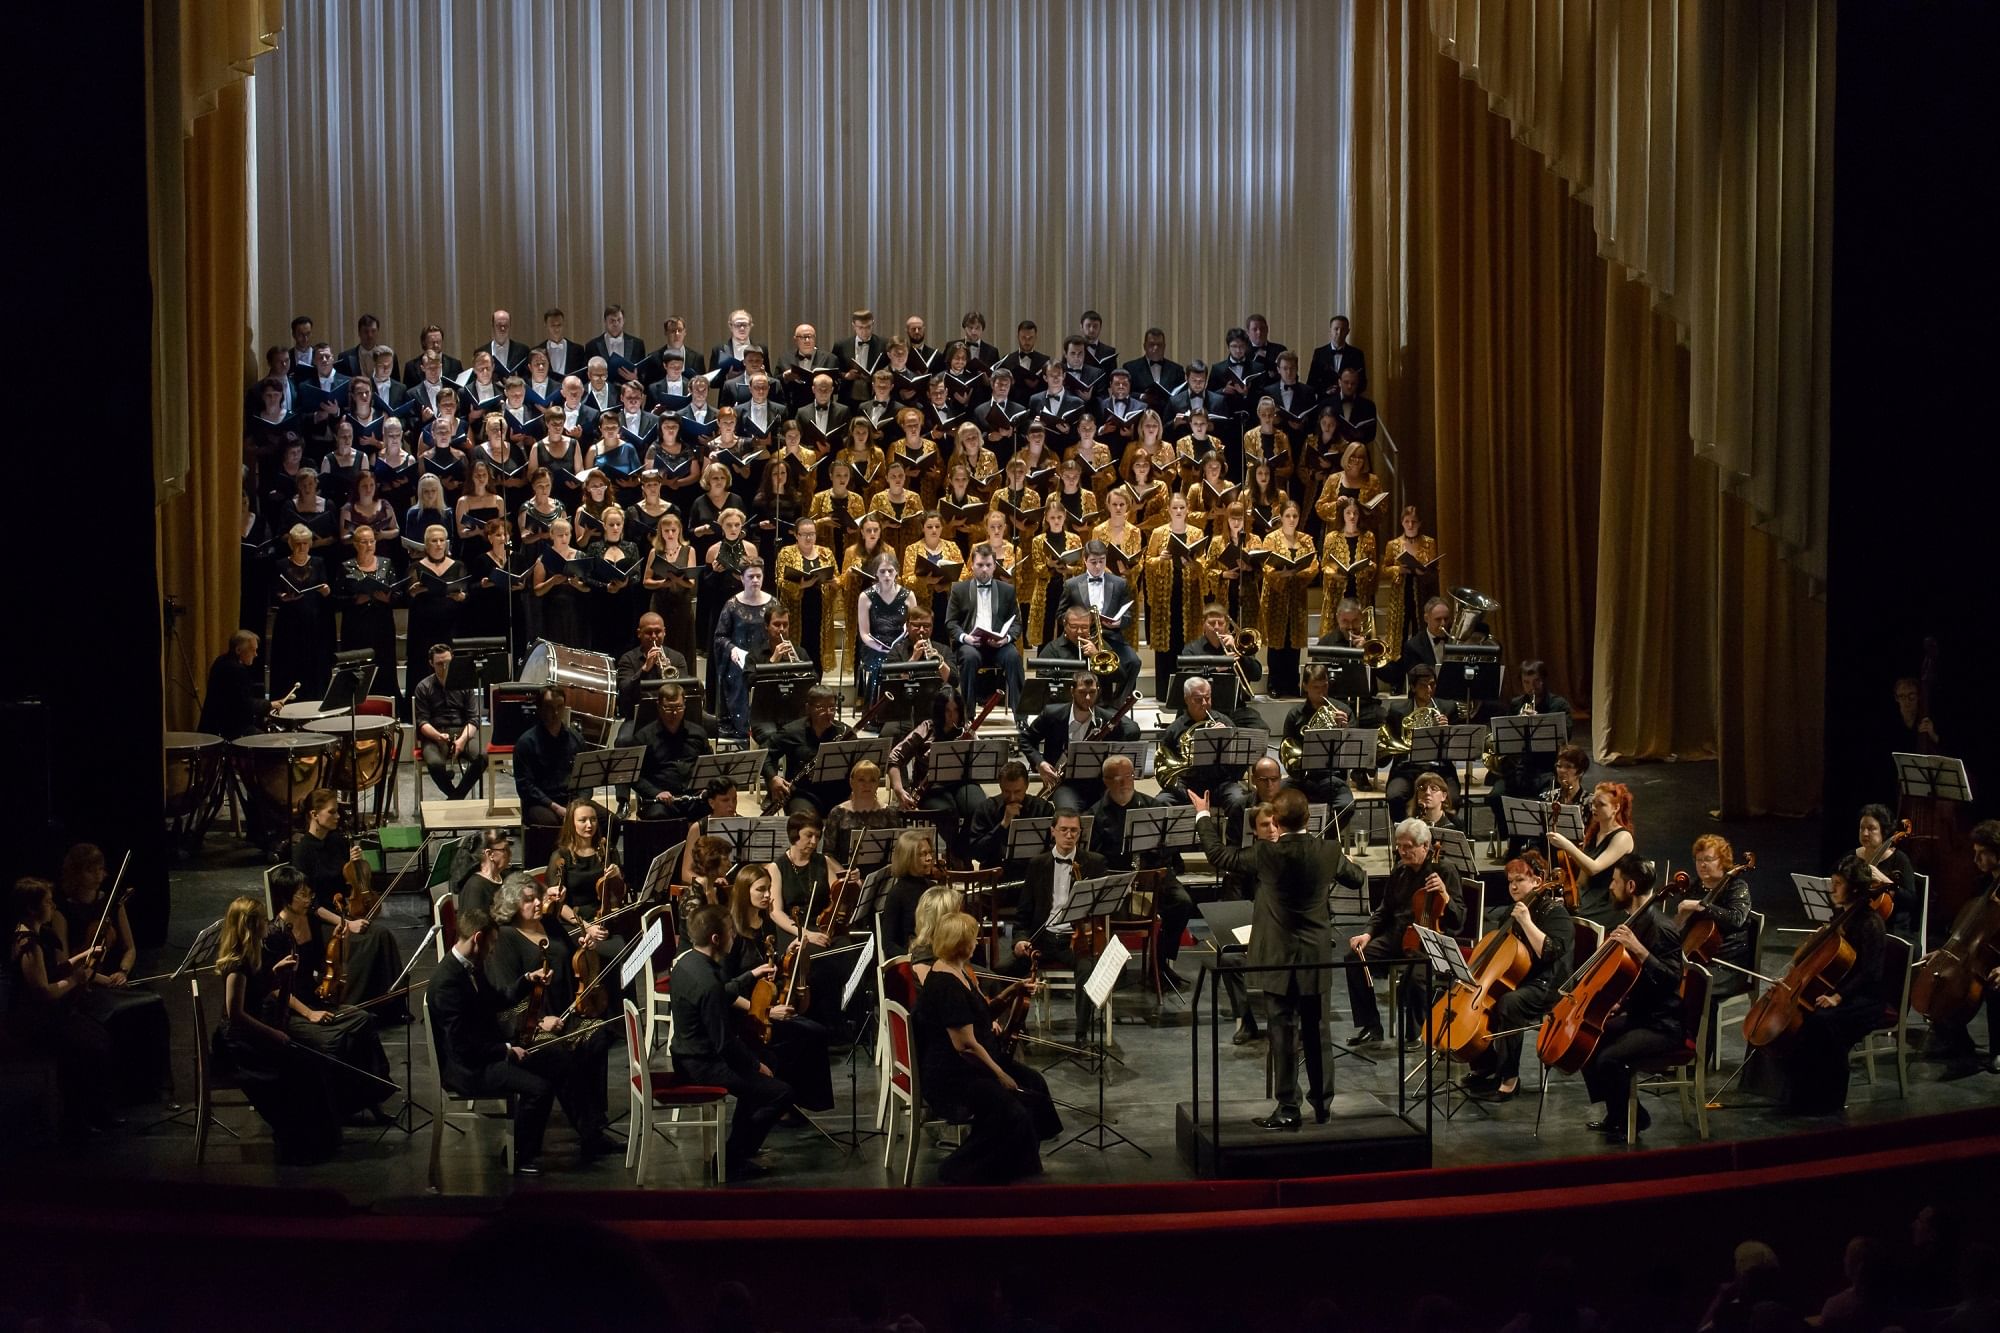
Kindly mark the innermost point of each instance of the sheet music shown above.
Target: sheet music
(860, 970)
(1104, 976)
(655, 935)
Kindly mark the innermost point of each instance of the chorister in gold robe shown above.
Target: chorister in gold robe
(1350, 572)
(1285, 591)
(1408, 590)
(834, 534)
(1231, 580)
(1038, 580)
(1174, 589)
(812, 608)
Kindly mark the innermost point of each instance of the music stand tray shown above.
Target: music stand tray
(1455, 850)
(1449, 746)
(592, 769)
(1933, 775)
(832, 760)
(1086, 758)
(1028, 836)
(1529, 733)
(755, 839)
(1815, 896)
(1338, 749)
(1228, 747)
(738, 766)
(971, 760)
(1160, 828)
(1528, 819)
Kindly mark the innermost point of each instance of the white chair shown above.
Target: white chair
(1717, 1017)
(1686, 1070)
(206, 1082)
(1923, 939)
(889, 984)
(1891, 1036)
(903, 1087)
(270, 907)
(444, 915)
(705, 1107)
(467, 1108)
(659, 999)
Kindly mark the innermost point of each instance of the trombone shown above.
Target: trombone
(1103, 661)
(1239, 643)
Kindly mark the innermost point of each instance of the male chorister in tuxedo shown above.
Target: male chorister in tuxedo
(758, 415)
(598, 393)
(1118, 410)
(980, 354)
(388, 391)
(301, 351)
(431, 343)
(857, 356)
(1334, 356)
(1194, 392)
(1292, 395)
(823, 419)
(1289, 927)
(1024, 362)
(1001, 418)
(1055, 407)
(509, 357)
(1426, 646)
(798, 367)
(737, 344)
(923, 356)
(1110, 596)
(566, 355)
(1238, 378)
(1045, 895)
(1080, 369)
(323, 397)
(671, 391)
(615, 341)
(1263, 351)
(1101, 355)
(983, 619)
(1358, 412)
(1046, 739)
(1153, 370)
(359, 359)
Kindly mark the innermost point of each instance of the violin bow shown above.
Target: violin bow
(110, 902)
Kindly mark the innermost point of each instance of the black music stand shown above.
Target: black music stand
(1520, 734)
(849, 1140)
(872, 846)
(775, 690)
(913, 685)
(1225, 696)
(1449, 747)
(1029, 836)
(975, 759)
(1089, 756)
(1105, 894)
(1936, 776)
(1447, 969)
(756, 839)
(738, 766)
(1351, 676)
(1227, 747)
(476, 664)
(1337, 749)
(831, 762)
(1471, 672)
(1455, 850)
(592, 769)
(353, 673)
(1533, 821)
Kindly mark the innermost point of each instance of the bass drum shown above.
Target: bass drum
(590, 679)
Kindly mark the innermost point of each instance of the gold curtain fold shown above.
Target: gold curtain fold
(1770, 657)
(198, 191)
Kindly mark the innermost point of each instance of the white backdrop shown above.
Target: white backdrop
(1179, 162)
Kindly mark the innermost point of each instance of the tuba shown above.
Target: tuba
(1290, 753)
(1170, 764)
(1469, 607)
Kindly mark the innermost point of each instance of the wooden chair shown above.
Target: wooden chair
(650, 1090)
(1891, 1034)
(907, 1113)
(207, 1083)
(1685, 1070)
(468, 1108)
(1717, 1021)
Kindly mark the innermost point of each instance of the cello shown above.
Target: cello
(1818, 967)
(1703, 935)
(1570, 1032)
(1951, 980)
(1426, 904)
(1461, 1019)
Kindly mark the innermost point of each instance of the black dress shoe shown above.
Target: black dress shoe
(1279, 1120)
(1491, 1093)
(747, 1169)
(1481, 1082)
(527, 1166)
(1613, 1126)
(1367, 1036)
(1246, 1032)
(1169, 975)
(597, 1145)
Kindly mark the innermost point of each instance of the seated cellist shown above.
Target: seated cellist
(1541, 922)
(1649, 1023)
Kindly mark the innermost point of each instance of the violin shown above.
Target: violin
(1818, 967)
(764, 994)
(1885, 905)
(1461, 1019)
(1565, 864)
(528, 1029)
(1703, 935)
(1951, 979)
(1426, 904)
(1570, 1032)
(1015, 1000)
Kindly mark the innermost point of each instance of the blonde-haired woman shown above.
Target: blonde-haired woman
(292, 1095)
(670, 576)
(912, 870)
(302, 632)
(939, 901)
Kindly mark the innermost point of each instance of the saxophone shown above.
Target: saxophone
(1398, 741)
(1290, 753)
(1170, 763)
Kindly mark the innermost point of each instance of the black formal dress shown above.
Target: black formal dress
(1816, 1062)
(1524, 1006)
(58, 1030)
(433, 617)
(368, 622)
(134, 1017)
(373, 959)
(348, 1035)
(796, 1051)
(290, 1088)
(302, 634)
(1006, 1126)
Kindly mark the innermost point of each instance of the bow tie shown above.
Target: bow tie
(984, 587)
(1096, 579)
(1065, 860)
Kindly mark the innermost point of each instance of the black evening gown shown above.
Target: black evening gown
(302, 632)
(797, 1051)
(134, 1017)
(289, 1086)
(433, 619)
(369, 623)
(373, 959)
(1006, 1127)
(614, 616)
(562, 607)
(349, 1036)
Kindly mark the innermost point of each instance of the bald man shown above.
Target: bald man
(641, 669)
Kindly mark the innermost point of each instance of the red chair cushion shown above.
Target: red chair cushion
(668, 1087)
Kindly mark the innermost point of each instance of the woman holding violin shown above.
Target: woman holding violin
(967, 1074)
(1831, 1016)
(802, 873)
(704, 877)
(39, 995)
(135, 1018)
(1539, 933)
(532, 955)
(1877, 837)
(585, 880)
(345, 1032)
(793, 1045)
(365, 956)
(1724, 903)
(1607, 839)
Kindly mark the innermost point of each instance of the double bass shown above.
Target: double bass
(1570, 1032)
(1951, 980)
(1818, 967)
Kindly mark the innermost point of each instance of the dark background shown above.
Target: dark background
(1911, 505)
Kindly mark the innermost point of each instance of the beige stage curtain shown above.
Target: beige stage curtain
(199, 53)
(1180, 164)
(1679, 603)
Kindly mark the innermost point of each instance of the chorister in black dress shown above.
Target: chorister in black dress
(368, 618)
(437, 591)
(301, 649)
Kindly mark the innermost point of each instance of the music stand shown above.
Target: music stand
(755, 839)
(353, 673)
(1227, 747)
(975, 759)
(1454, 850)
(1449, 969)
(1518, 734)
(1226, 690)
(774, 688)
(913, 684)
(1448, 747)
(872, 846)
(1338, 749)
(592, 769)
(1347, 668)
(1533, 821)
(833, 759)
(1029, 836)
(1815, 896)
(1160, 828)
(1318, 815)
(738, 766)
(1937, 776)
(1089, 756)
(1092, 898)
(1470, 671)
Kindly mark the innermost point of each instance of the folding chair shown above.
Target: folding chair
(1891, 1034)
(468, 1108)
(906, 1095)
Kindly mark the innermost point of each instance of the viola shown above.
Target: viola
(1703, 935)
(361, 901)
(1570, 1031)
(1461, 1020)
(1426, 904)
(1951, 979)
(528, 1028)
(1015, 1000)
(1885, 904)
(763, 995)
(1818, 967)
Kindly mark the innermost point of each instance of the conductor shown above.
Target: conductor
(1289, 928)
